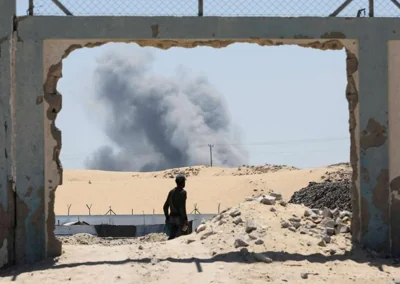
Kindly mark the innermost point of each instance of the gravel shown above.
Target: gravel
(325, 194)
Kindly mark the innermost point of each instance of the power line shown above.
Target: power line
(265, 143)
(273, 152)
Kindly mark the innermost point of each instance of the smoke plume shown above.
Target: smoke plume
(158, 122)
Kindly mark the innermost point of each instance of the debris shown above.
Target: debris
(240, 242)
(304, 275)
(330, 231)
(328, 223)
(283, 203)
(235, 213)
(218, 218)
(285, 224)
(304, 231)
(276, 195)
(296, 225)
(295, 220)
(237, 220)
(201, 228)
(252, 237)
(342, 229)
(308, 212)
(326, 239)
(345, 213)
(250, 226)
(268, 200)
(326, 213)
(206, 235)
(272, 209)
(322, 243)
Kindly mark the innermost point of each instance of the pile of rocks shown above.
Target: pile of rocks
(325, 194)
(248, 232)
(341, 174)
(252, 233)
(322, 224)
(186, 171)
(256, 170)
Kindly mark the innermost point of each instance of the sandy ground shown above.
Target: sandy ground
(214, 259)
(209, 256)
(206, 187)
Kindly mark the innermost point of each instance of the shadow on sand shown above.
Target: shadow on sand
(358, 255)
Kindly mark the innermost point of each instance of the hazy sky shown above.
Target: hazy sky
(283, 99)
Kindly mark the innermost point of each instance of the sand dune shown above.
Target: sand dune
(206, 187)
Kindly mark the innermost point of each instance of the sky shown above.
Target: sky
(288, 103)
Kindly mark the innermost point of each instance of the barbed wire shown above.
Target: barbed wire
(237, 8)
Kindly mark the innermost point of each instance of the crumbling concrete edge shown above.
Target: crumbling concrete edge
(57, 50)
(7, 133)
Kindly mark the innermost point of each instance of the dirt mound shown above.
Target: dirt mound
(325, 194)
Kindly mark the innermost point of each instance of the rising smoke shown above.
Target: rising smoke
(159, 122)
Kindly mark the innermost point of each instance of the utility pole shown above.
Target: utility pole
(211, 146)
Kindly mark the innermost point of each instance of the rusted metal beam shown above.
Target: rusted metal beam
(62, 7)
(340, 8)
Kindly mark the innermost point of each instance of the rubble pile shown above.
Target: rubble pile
(256, 170)
(322, 224)
(327, 194)
(188, 172)
(320, 227)
(343, 173)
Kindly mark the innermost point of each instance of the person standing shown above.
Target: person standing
(175, 208)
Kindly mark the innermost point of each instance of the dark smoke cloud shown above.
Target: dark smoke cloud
(158, 122)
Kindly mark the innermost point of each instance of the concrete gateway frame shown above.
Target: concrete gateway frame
(31, 53)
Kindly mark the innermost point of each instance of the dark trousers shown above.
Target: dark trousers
(175, 227)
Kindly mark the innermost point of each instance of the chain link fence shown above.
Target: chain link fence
(234, 8)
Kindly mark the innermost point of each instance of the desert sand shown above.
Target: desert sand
(206, 187)
(272, 252)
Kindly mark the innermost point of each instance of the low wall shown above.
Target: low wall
(72, 230)
(132, 220)
(116, 231)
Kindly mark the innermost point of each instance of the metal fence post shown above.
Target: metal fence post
(371, 8)
(200, 12)
(30, 9)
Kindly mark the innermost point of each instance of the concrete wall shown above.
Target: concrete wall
(394, 139)
(7, 177)
(140, 230)
(73, 230)
(42, 43)
(127, 219)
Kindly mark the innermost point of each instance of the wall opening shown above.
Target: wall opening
(325, 139)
